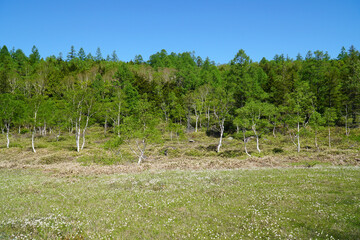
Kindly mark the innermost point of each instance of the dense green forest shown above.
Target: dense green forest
(139, 102)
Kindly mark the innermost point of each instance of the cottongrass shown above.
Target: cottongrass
(317, 203)
(53, 226)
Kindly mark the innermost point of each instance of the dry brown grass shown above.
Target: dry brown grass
(61, 158)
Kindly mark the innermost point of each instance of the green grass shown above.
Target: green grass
(277, 203)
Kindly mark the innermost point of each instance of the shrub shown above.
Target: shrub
(277, 150)
(230, 153)
(24, 130)
(194, 153)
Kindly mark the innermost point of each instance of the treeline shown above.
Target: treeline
(142, 100)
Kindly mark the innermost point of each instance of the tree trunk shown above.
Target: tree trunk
(32, 141)
(77, 137)
(208, 119)
(221, 135)
(19, 129)
(329, 138)
(200, 125)
(274, 132)
(84, 131)
(7, 136)
(142, 151)
(57, 136)
(298, 136)
(245, 142)
(118, 120)
(347, 130)
(33, 134)
(105, 125)
(257, 138)
(140, 159)
(72, 126)
(196, 123)
(78, 140)
(44, 128)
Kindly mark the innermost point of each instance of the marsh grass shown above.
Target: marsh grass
(84, 196)
(295, 203)
(199, 153)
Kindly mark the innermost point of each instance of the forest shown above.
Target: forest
(138, 103)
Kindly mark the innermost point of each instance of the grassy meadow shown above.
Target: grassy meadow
(317, 203)
(191, 192)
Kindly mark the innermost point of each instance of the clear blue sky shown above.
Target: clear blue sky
(217, 29)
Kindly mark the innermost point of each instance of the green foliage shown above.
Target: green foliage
(174, 90)
(330, 116)
(277, 150)
(34, 57)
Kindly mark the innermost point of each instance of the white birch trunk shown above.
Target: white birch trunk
(274, 132)
(44, 128)
(329, 138)
(141, 153)
(347, 130)
(33, 134)
(84, 131)
(105, 125)
(77, 136)
(257, 138)
(32, 141)
(78, 139)
(245, 142)
(58, 136)
(196, 123)
(221, 134)
(7, 136)
(208, 118)
(298, 136)
(118, 119)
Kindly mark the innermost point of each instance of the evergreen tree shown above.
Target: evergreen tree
(81, 54)
(72, 54)
(114, 57)
(98, 55)
(138, 59)
(34, 57)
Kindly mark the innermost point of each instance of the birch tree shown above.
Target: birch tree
(140, 129)
(11, 110)
(241, 121)
(222, 104)
(81, 106)
(117, 108)
(35, 103)
(330, 117)
(254, 115)
(316, 122)
(299, 105)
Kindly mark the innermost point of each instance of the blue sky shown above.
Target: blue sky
(217, 29)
